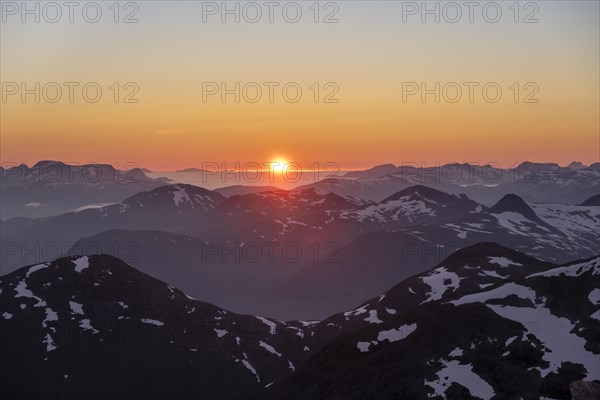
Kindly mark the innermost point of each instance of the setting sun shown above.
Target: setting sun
(279, 164)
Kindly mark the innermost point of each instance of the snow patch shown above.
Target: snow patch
(34, 268)
(503, 262)
(555, 333)
(76, 308)
(51, 315)
(363, 346)
(501, 292)
(394, 335)
(49, 342)
(152, 322)
(269, 348)
(573, 270)
(358, 311)
(372, 318)
(81, 263)
(463, 374)
(457, 352)
(272, 326)
(86, 325)
(23, 291)
(221, 332)
(436, 281)
(251, 368)
(513, 222)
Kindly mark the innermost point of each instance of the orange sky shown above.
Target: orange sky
(369, 54)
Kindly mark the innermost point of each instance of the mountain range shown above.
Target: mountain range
(318, 252)
(534, 182)
(53, 187)
(487, 322)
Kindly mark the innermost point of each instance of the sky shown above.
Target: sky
(361, 80)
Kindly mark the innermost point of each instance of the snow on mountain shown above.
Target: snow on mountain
(527, 333)
(98, 320)
(535, 182)
(416, 204)
(577, 222)
(550, 231)
(176, 208)
(487, 321)
(182, 196)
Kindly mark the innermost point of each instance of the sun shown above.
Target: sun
(278, 164)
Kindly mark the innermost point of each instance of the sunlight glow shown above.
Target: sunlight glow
(278, 164)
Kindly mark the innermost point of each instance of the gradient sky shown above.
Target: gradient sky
(368, 54)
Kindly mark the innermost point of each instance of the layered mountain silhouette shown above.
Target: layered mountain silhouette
(534, 182)
(593, 201)
(53, 187)
(487, 321)
(318, 252)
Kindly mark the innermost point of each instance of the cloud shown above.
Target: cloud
(90, 206)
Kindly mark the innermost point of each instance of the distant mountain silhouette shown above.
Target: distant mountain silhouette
(190, 170)
(53, 187)
(575, 165)
(375, 172)
(513, 203)
(592, 201)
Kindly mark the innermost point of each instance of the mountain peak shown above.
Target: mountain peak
(182, 194)
(374, 172)
(485, 249)
(513, 203)
(47, 163)
(575, 165)
(594, 166)
(541, 165)
(73, 265)
(421, 191)
(592, 201)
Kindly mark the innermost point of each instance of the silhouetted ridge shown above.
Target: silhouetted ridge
(420, 191)
(375, 172)
(595, 166)
(513, 203)
(487, 249)
(46, 163)
(592, 201)
(166, 193)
